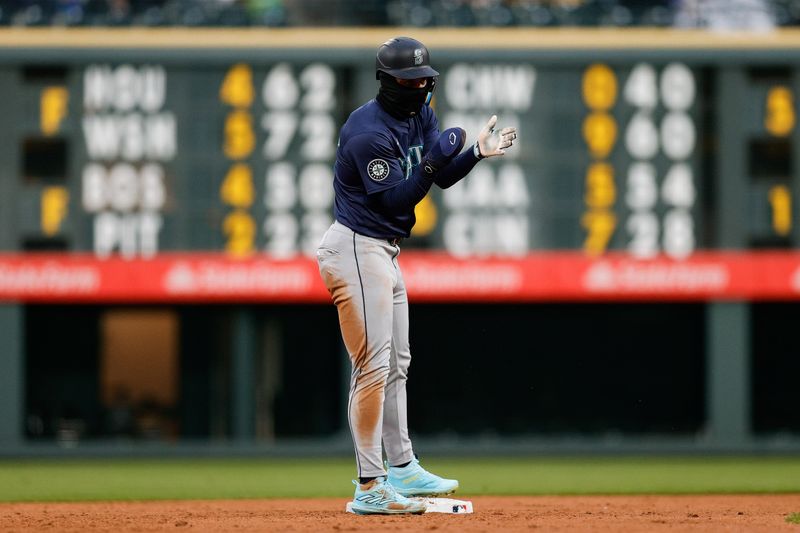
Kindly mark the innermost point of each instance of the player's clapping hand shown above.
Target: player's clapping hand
(492, 142)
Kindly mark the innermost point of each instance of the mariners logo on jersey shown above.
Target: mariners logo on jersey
(378, 169)
(413, 158)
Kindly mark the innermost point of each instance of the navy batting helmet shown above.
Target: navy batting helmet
(404, 58)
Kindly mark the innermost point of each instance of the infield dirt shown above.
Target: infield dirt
(544, 513)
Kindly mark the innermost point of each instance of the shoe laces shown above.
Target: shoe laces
(388, 489)
(381, 484)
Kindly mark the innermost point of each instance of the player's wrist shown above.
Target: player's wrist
(476, 151)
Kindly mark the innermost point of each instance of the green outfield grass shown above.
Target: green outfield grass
(114, 479)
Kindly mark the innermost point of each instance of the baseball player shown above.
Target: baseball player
(390, 154)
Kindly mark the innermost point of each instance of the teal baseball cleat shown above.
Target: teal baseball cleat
(379, 497)
(413, 480)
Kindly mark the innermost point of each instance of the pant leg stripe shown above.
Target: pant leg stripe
(353, 381)
(366, 349)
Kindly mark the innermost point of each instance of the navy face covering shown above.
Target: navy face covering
(400, 101)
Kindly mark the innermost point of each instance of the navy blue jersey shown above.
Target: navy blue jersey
(377, 152)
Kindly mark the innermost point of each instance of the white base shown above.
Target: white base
(437, 505)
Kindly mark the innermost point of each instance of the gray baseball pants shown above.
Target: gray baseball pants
(364, 280)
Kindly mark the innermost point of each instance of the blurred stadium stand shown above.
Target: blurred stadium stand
(722, 14)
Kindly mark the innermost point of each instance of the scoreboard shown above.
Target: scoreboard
(236, 159)
(240, 158)
(584, 130)
(183, 164)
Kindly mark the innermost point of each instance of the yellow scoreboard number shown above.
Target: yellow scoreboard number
(599, 90)
(237, 189)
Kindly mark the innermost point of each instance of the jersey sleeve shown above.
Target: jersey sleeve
(375, 159)
(430, 131)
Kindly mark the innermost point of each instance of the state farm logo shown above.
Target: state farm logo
(796, 280)
(180, 278)
(221, 278)
(453, 278)
(661, 276)
(600, 277)
(48, 278)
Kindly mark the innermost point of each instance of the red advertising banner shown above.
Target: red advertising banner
(430, 277)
